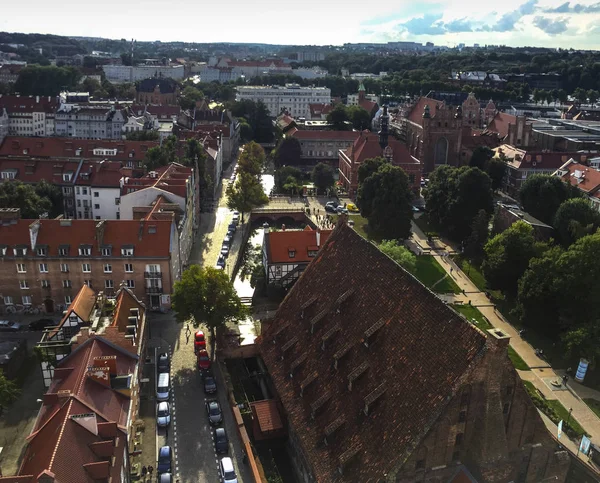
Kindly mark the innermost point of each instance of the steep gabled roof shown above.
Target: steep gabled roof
(280, 243)
(416, 113)
(500, 123)
(375, 357)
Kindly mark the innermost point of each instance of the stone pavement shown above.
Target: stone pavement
(541, 373)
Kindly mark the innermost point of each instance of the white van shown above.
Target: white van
(227, 470)
(163, 388)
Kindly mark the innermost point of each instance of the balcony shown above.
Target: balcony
(153, 289)
(153, 275)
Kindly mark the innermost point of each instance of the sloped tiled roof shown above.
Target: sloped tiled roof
(419, 349)
(83, 305)
(586, 179)
(500, 123)
(125, 301)
(172, 178)
(28, 104)
(367, 105)
(416, 114)
(279, 244)
(303, 135)
(367, 146)
(543, 160)
(166, 85)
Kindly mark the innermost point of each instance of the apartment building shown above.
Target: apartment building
(29, 115)
(90, 122)
(46, 261)
(292, 98)
(128, 73)
(323, 145)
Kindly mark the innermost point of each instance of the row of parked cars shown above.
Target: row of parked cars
(228, 240)
(213, 408)
(163, 416)
(40, 324)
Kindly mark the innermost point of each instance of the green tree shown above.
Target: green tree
(399, 253)
(593, 95)
(359, 117)
(481, 155)
(322, 177)
(496, 170)
(142, 136)
(574, 219)
(189, 96)
(384, 199)
(476, 241)
(507, 256)
(338, 118)
(51, 192)
(154, 158)
(252, 159)
(252, 267)
(9, 392)
(283, 174)
(289, 152)
(254, 114)
(580, 95)
(46, 80)
(206, 296)
(582, 341)
(542, 194)
(562, 96)
(245, 194)
(246, 131)
(370, 166)
(15, 194)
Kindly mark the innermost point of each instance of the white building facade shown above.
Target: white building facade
(127, 73)
(291, 97)
(98, 122)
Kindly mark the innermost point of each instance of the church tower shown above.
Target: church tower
(383, 131)
(361, 92)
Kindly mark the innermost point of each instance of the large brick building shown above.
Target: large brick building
(44, 262)
(322, 146)
(160, 91)
(380, 381)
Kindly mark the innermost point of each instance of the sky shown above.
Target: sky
(544, 23)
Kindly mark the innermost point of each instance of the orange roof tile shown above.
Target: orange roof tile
(268, 415)
(324, 135)
(586, 179)
(279, 244)
(416, 114)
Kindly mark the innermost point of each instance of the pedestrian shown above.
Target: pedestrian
(144, 471)
(451, 269)
(150, 470)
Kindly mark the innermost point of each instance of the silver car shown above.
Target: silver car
(163, 414)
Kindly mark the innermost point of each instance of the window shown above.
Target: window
(45, 283)
(68, 299)
(88, 283)
(96, 194)
(8, 300)
(84, 191)
(26, 299)
(127, 251)
(8, 175)
(42, 251)
(292, 253)
(43, 268)
(106, 251)
(117, 201)
(86, 268)
(64, 267)
(85, 251)
(130, 283)
(66, 284)
(108, 283)
(63, 251)
(24, 284)
(420, 465)
(67, 176)
(312, 253)
(21, 268)
(459, 439)
(107, 268)
(128, 268)
(20, 251)
(462, 416)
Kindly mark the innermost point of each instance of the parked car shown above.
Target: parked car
(41, 324)
(224, 250)
(220, 262)
(221, 441)
(203, 360)
(236, 217)
(330, 209)
(227, 470)
(210, 384)
(199, 341)
(163, 363)
(231, 227)
(165, 478)
(230, 233)
(227, 241)
(7, 325)
(165, 457)
(163, 387)
(352, 208)
(333, 203)
(213, 410)
(163, 414)
(341, 210)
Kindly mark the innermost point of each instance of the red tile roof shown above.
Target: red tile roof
(28, 104)
(542, 160)
(172, 178)
(418, 351)
(325, 135)
(318, 109)
(125, 301)
(279, 244)
(367, 146)
(500, 123)
(586, 179)
(268, 415)
(35, 170)
(33, 147)
(161, 111)
(83, 305)
(472, 139)
(117, 233)
(416, 114)
(367, 105)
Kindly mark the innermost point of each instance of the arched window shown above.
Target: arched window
(441, 151)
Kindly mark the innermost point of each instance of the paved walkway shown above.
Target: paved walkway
(541, 375)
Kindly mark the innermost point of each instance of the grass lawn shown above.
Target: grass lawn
(361, 226)
(473, 313)
(426, 227)
(472, 271)
(594, 405)
(554, 410)
(429, 272)
(516, 360)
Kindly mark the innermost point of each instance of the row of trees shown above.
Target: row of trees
(247, 192)
(34, 200)
(345, 118)
(290, 180)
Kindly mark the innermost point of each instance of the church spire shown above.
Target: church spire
(383, 131)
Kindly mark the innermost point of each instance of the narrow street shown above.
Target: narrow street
(190, 434)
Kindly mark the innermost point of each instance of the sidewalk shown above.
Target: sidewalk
(541, 374)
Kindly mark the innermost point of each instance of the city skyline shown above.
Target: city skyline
(548, 23)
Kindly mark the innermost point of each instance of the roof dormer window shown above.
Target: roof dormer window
(127, 251)
(292, 252)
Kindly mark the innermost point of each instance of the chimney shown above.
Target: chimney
(107, 361)
(100, 375)
(50, 398)
(318, 238)
(126, 171)
(8, 215)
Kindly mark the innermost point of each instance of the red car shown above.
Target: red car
(203, 360)
(199, 341)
